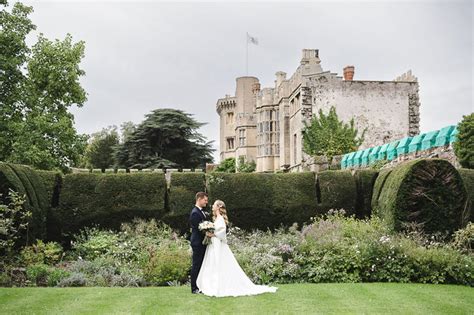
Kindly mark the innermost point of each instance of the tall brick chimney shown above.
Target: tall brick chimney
(348, 73)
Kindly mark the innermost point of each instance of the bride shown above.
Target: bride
(220, 273)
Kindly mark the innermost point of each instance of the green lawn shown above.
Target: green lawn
(366, 298)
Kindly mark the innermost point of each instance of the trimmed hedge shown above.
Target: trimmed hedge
(52, 184)
(63, 205)
(378, 185)
(294, 198)
(109, 199)
(248, 197)
(336, 189)
(365, 181)
(9, 180)
(24, 180)
(429, 192)
(261, 201)
(34, 184)
(52, 181)
(468, 180)
(181, 198)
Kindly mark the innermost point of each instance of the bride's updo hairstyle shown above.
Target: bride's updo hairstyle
(222, 210)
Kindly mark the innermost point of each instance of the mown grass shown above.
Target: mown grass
(342, 298)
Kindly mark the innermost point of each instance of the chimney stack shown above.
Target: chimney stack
(310, 56)
(348, 73)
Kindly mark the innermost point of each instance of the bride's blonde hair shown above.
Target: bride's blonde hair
(222, 210)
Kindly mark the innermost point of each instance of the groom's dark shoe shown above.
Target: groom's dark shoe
(197, 292)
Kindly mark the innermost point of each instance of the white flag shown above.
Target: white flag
(251, 39)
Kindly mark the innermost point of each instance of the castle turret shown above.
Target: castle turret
(245, 95)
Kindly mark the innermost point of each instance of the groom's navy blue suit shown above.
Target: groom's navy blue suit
(197, 216)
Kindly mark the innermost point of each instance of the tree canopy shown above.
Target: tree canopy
(329, 136)
(100, 150)
(167, 138)
(38, 85)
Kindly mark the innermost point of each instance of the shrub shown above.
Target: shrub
(338, 249)
(41, 253)
(245, 166)
(464, 239)
(5, 280)
(37, 274)
(379, 164)
(56, 275)
(17, 178)
(14, 222)
(170, 263)
(464, 145)
(427, 191)
(37, 200)
(226, 166)
(76, 279)
(266, 256)
(93, 242)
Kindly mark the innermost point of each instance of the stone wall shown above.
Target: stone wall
(389, 110)
(320, 163)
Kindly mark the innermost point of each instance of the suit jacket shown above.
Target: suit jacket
(195, 218)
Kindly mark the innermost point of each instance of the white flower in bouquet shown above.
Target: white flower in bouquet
(206, 226)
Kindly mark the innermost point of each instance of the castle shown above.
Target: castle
(265, 125)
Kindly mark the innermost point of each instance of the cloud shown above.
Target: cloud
(146, 55)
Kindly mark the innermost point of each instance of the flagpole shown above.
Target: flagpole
(247, 54)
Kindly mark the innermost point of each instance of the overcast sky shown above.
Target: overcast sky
(141, 56)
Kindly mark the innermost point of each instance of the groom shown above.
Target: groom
(197, 216)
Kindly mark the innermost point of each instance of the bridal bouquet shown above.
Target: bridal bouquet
(206, 226)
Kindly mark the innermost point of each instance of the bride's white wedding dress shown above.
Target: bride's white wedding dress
(220, 273)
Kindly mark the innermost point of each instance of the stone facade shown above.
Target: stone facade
(265, 125)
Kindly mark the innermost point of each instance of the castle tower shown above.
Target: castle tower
(237, 120)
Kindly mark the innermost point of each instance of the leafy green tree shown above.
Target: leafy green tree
(226, 166)
(127, 128)
(100, 150)
(464, 145)
(166, 138)
(245, 167)
(329, 136)
(38, 86)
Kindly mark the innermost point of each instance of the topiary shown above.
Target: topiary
(428, 192)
